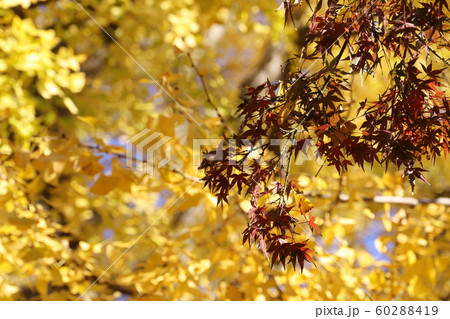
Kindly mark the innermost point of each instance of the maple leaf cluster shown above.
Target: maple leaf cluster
(407, 123)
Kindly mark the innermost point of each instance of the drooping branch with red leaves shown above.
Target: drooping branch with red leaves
(408, 122)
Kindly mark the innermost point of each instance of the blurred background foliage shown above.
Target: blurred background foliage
(70, 98)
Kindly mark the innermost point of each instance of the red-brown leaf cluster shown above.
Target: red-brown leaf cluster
(408, 122)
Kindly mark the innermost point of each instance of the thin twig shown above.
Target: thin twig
(432, 50)
(205, 88)
(381, 199)
(134, 159)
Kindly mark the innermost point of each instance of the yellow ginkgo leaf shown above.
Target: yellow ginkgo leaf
(104, 184)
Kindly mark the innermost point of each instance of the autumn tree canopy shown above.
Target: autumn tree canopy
(350, 202)
(407, 123)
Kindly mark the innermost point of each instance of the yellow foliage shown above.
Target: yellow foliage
(70, 207)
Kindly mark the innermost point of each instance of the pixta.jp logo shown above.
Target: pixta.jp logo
(147, 150)
(307, 151)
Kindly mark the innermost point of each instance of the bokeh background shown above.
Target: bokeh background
(70, 98)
